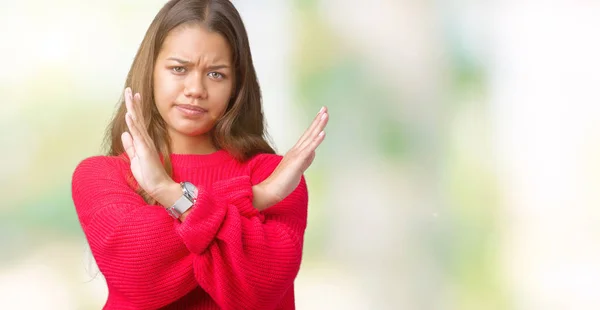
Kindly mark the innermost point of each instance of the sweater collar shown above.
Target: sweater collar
(200, 160)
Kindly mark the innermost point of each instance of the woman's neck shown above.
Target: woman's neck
(202, 144)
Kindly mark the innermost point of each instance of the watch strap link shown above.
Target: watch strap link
(184, 203)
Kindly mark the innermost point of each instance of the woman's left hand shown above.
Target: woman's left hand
(146, 166)
(286, 177)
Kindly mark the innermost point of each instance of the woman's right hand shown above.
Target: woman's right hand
(146, 166)
(286, 177)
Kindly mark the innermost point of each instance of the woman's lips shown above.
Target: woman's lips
(190, 110)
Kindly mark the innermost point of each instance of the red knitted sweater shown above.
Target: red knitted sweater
(225, 255)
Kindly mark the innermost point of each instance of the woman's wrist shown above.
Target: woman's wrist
(166, 195)
(261, 198)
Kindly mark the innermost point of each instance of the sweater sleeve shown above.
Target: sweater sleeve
(243, 258)
(134, 244)
(251, 262)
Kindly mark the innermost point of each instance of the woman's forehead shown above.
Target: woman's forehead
(195, 42)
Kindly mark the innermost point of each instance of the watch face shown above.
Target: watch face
(191, 188)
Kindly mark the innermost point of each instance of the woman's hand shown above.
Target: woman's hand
(146, 166)
(286, 177)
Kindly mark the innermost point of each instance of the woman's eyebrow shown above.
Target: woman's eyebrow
(187, 62)
(217, 67)
(181, 61)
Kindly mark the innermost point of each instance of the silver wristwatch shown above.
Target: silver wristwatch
(185, 202)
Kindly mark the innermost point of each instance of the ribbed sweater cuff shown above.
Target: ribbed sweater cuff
(238, 192)
(208, 213)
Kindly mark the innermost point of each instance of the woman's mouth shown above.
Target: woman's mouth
(190, 110)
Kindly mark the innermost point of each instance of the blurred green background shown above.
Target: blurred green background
(460, 170)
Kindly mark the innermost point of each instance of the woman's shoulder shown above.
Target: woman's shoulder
(262, 165)
(101, 165)
(264, 159)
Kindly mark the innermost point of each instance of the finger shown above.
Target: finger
(134, 130)
(137, 107)
(133, 109)
(312, 146)
(127, 142)
(129, 102)
(312, 126)
(135, 121)
(140, 122)
(316, 130)
(308, 154)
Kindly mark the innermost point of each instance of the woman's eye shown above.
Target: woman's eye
(178, 69)
(216, 75)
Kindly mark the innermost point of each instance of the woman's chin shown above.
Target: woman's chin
(191, 131)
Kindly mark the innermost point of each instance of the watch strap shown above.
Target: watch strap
(184, 203)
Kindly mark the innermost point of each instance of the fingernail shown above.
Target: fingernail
(322, 109)
(324, 116)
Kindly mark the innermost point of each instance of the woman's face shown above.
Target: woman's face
(193, 80)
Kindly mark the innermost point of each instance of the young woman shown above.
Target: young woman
(191, 208)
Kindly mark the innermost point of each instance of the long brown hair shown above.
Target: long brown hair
(241, 130)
